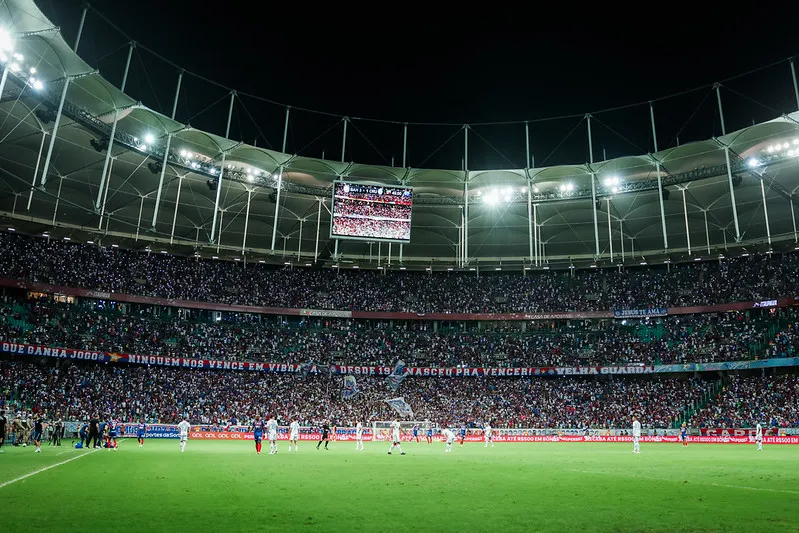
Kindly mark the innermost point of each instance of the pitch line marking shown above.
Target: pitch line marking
(30, 474)
(742, 487)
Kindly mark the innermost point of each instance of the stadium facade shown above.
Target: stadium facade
(86, 161)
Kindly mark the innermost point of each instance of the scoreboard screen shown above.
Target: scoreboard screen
(371, 212)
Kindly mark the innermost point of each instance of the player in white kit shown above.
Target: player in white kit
(358, 436)
(636, 435)
(395, 437)
(294, 434)
(759, 437)
(271, 430)
(449, 435)
(184, 427)
(488, 436)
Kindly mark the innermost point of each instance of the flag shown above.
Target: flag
(350, 388)
(305, 368)
(400, 406)
(396, 376)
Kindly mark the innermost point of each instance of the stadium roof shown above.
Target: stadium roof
(627, 214)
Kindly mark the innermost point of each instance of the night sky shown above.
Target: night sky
(446, 71)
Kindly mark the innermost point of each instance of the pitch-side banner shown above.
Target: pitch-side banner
(207, 433)
(291, 368)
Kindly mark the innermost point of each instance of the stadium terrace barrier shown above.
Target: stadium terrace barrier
(241, 433)
(293, 368)
(387, 315)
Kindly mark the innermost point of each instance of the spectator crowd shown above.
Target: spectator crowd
(754, 278)
(148, 330)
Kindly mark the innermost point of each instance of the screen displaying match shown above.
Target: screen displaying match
(371, 212)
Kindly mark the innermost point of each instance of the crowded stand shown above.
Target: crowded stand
(354, 208)
(351, 225)
(151, 330)
(753, 278)
(79, 391)
(774, 400)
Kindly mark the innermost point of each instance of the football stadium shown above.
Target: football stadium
(578, 323)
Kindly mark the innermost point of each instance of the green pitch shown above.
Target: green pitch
(224, 486)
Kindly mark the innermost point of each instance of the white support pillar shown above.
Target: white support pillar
(138, 223)
(80, 29)
(593, 188)
(54, 132)
(105, 174)
(729, 167)
(765, 210)
(105, 194)
(344, 139)
(177, 95)
(246, 221)
(57, 199)
(222, 169)
(527, 144)
(318, 223)
(466, 220)
(219, 237)
(535, 234)
(530, 218)
(621, 238)
(286, 132)
(685, 212)
(660, 180)
(164, 163)
(404, 146)
(400, 254)
(707, 232)
(277, 204)
(299, 242)
(388, 259)
(3, 80)
(610, 232)
(795, 85)
(379, 253)
(793, 219)
(36, 170)
(175, 214)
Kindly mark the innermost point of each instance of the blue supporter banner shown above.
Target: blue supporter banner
(154, 431)
(640, 313)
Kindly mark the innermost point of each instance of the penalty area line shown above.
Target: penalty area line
(31, 474)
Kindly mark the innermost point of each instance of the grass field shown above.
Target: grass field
(224, 486)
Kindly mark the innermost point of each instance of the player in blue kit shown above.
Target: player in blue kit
(416, 432)
(111, 434)
(684, 435)
(141, 432)
(463, 433)
(258, 435)
(429, 435)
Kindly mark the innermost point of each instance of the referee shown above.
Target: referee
(93, 440)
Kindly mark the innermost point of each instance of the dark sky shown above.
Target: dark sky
(449, 70)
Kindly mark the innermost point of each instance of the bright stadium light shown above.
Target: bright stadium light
(536, 189)
(753, 163)
(491, 198)
(149, 138)
(6, 41)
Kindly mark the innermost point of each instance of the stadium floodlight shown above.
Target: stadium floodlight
(149, 138)
(6, 40)
(37, 84)
(536, 189)
(753, 163)
(491, 198)
(785, 146)
(15, 67)
(524, 190)
(612, 181)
